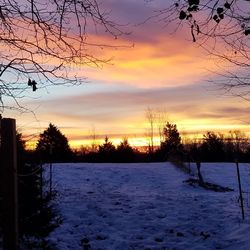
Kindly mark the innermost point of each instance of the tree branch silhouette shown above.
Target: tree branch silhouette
(222, 29)
(40, 40)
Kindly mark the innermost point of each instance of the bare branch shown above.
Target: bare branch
(40, 39)
(222, 29)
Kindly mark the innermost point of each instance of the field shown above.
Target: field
(149, 206)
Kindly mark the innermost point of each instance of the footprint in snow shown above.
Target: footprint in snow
(101, 237)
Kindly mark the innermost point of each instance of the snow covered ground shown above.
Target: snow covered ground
(148, 206)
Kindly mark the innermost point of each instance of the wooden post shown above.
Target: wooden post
(198, 165)
(9, 184)
(240, 190)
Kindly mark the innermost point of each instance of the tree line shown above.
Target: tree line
(53, 146)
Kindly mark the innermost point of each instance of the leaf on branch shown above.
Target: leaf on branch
(182, 15)
(193, 2)
(193, 5)
(198, 29)
(247, 32)
(192, 32)
(221, 16)
(227, 5)
(34, 87)
(193, 8)
(216, 18)
(189, 16)
(32, 83)
(220, 10)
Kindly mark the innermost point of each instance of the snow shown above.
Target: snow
(148, 206)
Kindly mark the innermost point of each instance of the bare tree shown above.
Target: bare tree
(40, 40)
(220, 27)
(151, 119)
(162, 119)
(94, 144)
(157, 119)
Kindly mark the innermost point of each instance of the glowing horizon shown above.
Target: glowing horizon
(142, 140)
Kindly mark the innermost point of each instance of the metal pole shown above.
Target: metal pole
(240, 190)
(41, 181)
(50, 179)
(9, 184)
(50, 170)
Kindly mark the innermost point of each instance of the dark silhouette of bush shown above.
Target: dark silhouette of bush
(37, 217)
(171, 148)
(106, 151)
(212, 148)
(53, 146)
(124, 152)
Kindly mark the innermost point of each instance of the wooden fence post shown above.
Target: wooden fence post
(9, 184)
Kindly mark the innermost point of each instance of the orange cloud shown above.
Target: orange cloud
(164, 62)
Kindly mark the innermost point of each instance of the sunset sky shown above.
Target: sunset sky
(150, 68)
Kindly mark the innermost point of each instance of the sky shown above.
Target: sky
(151, 67)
